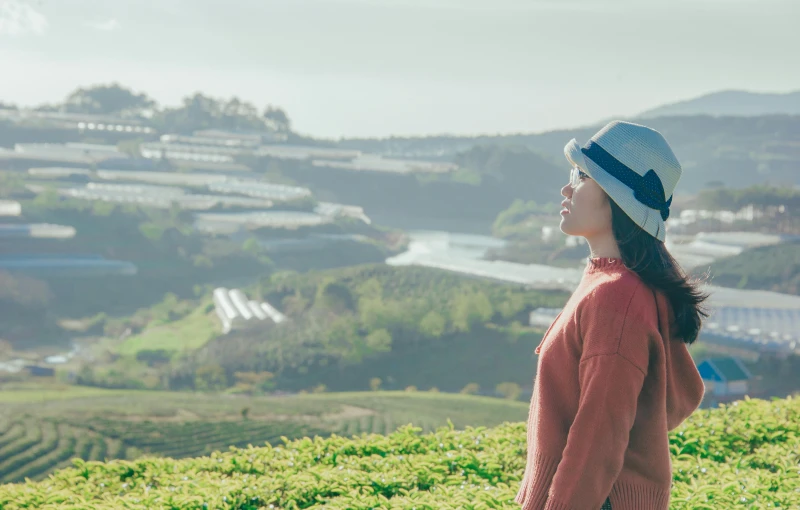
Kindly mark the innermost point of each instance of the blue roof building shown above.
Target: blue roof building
(725, 376)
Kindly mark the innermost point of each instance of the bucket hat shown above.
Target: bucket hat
(636, 168)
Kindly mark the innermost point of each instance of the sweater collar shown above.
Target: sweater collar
(602, 264)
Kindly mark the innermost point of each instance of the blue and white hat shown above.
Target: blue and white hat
(636, 167)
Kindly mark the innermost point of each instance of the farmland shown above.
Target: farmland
(745, 455)
(41, 431)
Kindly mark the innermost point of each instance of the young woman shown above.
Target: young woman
(614, 374)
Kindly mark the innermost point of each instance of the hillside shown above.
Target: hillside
(407, 326)
(735, 150)
(89, 424)
(731, 102)
(775, 268)
(171, 257)
(740, 456)
(350, 325)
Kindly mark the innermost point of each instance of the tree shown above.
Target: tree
(379, 340)
(254, 381)
(6, 348)
(335, 296)
(108, 100)
(203, 112)
(509, 390)
(470, 309)
(470, 389)
(210, 377)
(251, 246)
(433, 325)
(24, 291)
(276, 119)
(375, 383)
(154, 356)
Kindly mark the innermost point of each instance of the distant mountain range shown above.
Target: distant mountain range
(731, 102)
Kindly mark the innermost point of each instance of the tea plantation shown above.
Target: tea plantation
(744, 455)
(40, 435)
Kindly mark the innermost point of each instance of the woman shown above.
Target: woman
(614, 374)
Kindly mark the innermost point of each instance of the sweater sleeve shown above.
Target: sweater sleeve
(611, 374)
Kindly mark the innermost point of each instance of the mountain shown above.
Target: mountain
(731, 102)
(738, 151)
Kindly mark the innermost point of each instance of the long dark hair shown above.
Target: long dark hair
(648, 257)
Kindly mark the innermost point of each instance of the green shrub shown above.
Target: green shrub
(743, 455)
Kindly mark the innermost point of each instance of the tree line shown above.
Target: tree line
(196, 112)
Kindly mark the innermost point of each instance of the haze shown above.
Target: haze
(405, 67)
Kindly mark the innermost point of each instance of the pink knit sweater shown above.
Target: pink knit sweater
(611, 381)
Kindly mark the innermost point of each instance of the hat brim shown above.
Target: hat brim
(648, 219)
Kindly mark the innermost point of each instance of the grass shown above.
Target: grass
(39, 393)
(188, 333)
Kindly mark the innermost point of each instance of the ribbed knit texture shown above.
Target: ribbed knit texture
(610, 383)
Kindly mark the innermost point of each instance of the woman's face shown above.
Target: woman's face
(586, 211)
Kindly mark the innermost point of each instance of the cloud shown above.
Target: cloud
(105, 26)
(19, 18)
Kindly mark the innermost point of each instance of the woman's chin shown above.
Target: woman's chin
(564, 227)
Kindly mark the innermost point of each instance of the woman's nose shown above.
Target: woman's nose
(566, 191)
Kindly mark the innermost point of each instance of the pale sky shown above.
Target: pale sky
(405, 67)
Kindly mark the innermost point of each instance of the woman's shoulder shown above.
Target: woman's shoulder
(622, 294)
(615, 287)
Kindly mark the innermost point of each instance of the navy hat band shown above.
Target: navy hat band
(647, 188)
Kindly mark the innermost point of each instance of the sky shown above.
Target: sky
(378, 68)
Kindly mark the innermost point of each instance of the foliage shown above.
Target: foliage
(775, 268)
(533, 236)
(108, 100)
(126, 425)
(737, 150)
(210, 377)
(470, 389)
(151, 231)
(200, 112)
(169, 256)
(524, 219)
(11, 183)
(22, 290)
(761, 196)
(349, 316)
(509, 390)
(743, 455)
(173, 334)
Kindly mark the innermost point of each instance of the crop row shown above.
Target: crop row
(32, 448)
(746, 455)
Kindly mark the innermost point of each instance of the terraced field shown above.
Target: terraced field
(45, 431)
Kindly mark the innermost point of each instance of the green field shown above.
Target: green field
(745, 455)
(187, 333)
(41, 431)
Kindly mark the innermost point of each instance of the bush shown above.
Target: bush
(375, 384)
(509, 390)
(743, 455)
(470, 389)
(154, 356)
